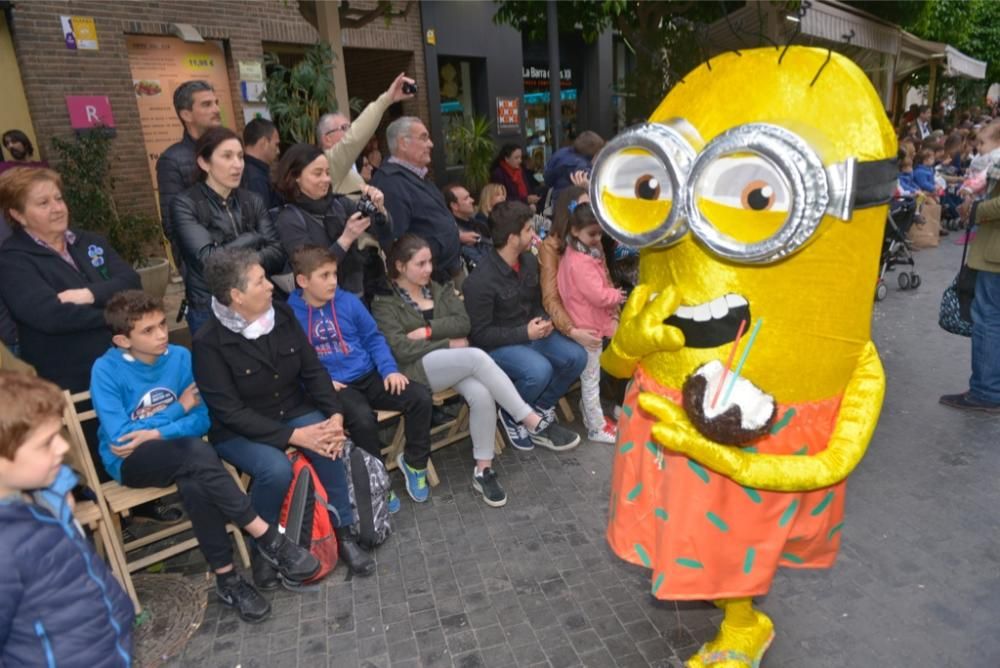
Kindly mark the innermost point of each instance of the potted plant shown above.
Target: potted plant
(471, 143)
(298, 96)
(89, 189)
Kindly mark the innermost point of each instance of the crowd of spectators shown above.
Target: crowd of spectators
(322, 284)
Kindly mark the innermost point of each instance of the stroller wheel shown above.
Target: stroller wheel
(904, 281)
(914, 281)
(881, 291)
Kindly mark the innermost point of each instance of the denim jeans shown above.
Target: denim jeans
(272, 473)
(984, 386)
(542, 370)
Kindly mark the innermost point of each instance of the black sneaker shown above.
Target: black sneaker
(158, 511)
(555, 437)
(234, 591)
(486, 483)
(292, 561)
(965, 402)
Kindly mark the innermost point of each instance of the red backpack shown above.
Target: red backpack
(305, 516)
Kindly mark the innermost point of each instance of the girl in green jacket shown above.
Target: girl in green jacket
(427, 327)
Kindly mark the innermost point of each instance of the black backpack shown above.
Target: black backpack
(369, 489)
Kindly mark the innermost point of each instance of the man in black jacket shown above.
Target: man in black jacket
(260, 151)
(504, 300)
(197, 107)
(414, 204)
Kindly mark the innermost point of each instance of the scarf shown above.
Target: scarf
(314, 207)
(404, 294)
(236, 323)
(516, 174)
(581, 247)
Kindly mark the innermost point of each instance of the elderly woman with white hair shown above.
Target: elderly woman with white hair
(266, 390)
(414, 203)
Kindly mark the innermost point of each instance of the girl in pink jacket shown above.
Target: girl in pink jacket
(592, 302)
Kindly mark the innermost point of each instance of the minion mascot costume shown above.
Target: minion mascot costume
(758, 193)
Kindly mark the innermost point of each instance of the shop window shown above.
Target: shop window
(536, 109)
(462, 86)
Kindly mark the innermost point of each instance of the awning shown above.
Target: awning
(915, 53)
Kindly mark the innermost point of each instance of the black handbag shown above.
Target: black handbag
(955, 314)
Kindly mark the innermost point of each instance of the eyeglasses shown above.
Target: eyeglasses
(340, 128)
(754, 194)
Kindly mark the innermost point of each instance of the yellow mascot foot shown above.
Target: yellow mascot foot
(736, 647)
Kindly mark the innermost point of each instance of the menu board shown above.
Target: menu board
(161, 64)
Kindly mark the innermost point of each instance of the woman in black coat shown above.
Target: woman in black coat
(56, 281)
(216, 213)
(316, 216)
(266, 391)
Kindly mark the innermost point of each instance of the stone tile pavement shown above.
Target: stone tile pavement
(917, 583)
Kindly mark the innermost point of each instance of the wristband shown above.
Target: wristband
(427, 332)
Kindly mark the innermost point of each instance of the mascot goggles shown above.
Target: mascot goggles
(754, 194)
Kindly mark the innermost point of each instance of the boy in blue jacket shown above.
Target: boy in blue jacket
(152, 420)
(361, 365)
(59, 602)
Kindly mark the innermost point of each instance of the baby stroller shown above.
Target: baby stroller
(896, 249)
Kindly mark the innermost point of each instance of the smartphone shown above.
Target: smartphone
(410, 88)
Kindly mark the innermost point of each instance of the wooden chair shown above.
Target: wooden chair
(442, 435)
(118, 501)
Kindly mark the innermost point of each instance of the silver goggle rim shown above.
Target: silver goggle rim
(671, 147)
(814, 191)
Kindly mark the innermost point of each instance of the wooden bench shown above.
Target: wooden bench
(115, 502)
(442, 435)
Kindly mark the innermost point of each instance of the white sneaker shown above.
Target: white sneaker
(606, 434)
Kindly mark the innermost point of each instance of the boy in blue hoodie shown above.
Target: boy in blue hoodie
(60, 603)
(361, 365)
(152, 420)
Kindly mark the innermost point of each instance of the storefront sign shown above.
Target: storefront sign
(89, 111)
(537, 78)
(508, 116)
(161, 64)
(251, 70)
(79, 32)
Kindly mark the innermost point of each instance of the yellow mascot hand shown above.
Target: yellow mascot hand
(859, 411)
(641, 330)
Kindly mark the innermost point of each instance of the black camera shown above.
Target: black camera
(367, 208)
(409, 88)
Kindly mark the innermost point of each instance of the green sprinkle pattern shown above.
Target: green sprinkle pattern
(789, 513)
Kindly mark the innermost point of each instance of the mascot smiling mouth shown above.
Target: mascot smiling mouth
(713, 323)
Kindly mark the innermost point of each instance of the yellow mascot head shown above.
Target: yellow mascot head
(767, 205)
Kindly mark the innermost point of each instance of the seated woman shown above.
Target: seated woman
(266, 390)
(318, 217)
(427, 327)
(491, 195)
(56, 281)
(507, 170)
(216, 213)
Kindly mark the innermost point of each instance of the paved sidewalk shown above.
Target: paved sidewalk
(917, 583)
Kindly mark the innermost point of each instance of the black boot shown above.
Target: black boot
(292, 561)
(265, 576)
(352, 554)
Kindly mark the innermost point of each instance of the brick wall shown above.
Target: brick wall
(49, 71)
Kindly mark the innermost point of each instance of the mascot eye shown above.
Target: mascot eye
(634, 173)
(758, 196)
(744, 182)
(647, 187)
